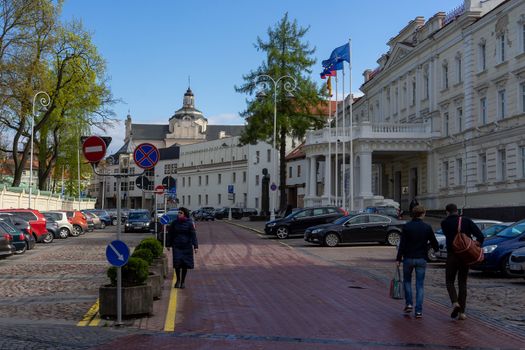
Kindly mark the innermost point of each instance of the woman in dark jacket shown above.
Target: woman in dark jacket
(183, 240)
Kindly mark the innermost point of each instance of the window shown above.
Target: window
(482, 167)
(167, 169)
(257, 180)
(521, 32)
(413, 92)
(521, 161)
(459, 171)
(219, 198)
(207, 182)
(501, 104)
(298, 171)
(257, 155)
(256, 202)
(183, 200)
(445, 126)
(396, 101)
(269, 155)
(189, 181)
(200, 180)
(459, 77)
(219, 178)
(290, 172)
(502, 164)
(124, 186)
(522, 97)
(482, 57)
(199, 200)
(244, 176)
(500, 47)
(445, 174)
(234, 177)
(445, 76)
(189, 200)
(131, 185)
(459, 117)
(206, 199)
(427, 86)
(114, 186)
(183, 182)
(483, 111)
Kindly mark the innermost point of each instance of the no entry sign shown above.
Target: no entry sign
(146, 155)
(94, 149)
(159, 189)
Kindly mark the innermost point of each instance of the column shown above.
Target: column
(365, 173)
(313, 181)
(327, 176)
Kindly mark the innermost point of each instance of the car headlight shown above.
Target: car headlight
(317, 230)
(271, 224)
(126, 224)
(490, 248)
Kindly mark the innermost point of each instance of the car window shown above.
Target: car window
(139, 216)
(379, 218)
(304, 213)
(8, 228)
(318, 211)
(513, 231)
(26, 216)
(53, 216)
(360, 219)
(331, 210)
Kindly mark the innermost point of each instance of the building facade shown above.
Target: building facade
(442, 117)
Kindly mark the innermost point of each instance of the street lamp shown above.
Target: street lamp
(289, 87)
(44, 102)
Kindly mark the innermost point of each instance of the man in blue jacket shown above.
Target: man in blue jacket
(454, 265)
(413, 248)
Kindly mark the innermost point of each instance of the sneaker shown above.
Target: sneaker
(455, 311)
(462, 316)
(419, 315)
(407, 309)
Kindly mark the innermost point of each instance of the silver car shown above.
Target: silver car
(517, 262)
(65, 228)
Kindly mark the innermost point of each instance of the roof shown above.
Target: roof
(212, 131)
(150, 131)
(297, 153)
(171, 152)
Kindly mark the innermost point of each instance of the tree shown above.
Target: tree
(286, 54)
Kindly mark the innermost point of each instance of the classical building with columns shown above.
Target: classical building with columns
(442, 119)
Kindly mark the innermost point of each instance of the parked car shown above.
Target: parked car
(65, 228)
(22, 226)
(138, 220)
(298, 222)
(517, 262)
(484, 225)
(247, 212)
(385, 210)
(6, 248)
(103, 215)
(97, 223)
(356, 228)
(497, 249)
(36, 220)
(223, 213)
(19, 239)
(203, 214)
(52, 229)
(78, 220)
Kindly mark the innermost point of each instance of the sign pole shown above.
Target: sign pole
(119, 269)
(164, 226)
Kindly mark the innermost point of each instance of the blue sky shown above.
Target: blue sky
(151, 47)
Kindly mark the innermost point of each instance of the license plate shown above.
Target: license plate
(515, 267)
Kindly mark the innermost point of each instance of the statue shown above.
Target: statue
(265, 193)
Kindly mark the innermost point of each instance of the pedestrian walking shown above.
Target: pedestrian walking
(455, 267)
(413, 203)
(416, 235)
(183, 241)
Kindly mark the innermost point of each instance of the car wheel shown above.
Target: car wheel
(393, 238)
(504, 267)
(331, 240)
(114, 222)
(282, 232)
(77, 230)
(102, 225)
(431, 255)
(23, 250)
(64, 232)
(48, 238)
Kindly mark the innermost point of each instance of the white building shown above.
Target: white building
(442, 117)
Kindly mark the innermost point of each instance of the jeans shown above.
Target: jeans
(455, 267)
(420, 266)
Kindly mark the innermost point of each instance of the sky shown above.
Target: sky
(153, 48)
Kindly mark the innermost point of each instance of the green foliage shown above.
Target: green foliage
(144, 254)
(151, 244)
(134, 273)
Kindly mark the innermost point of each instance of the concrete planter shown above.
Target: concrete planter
(155, 281)
(160, 265)
(136, 300)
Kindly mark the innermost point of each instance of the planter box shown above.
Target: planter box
(160, 265)
(137, 300)
(155, 281)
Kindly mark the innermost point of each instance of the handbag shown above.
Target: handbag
(468, 250)
(396, 285)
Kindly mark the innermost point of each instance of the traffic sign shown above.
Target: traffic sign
(146, 155)
(273, 186)
(94, 149)
(142, 182)
(230, 189)
(117, 253)
(159, 189)
(164, 219)
(168, 182)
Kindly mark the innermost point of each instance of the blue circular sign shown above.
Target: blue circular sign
(146, 155)
(117, 253)
(273, 186)
(165, 219)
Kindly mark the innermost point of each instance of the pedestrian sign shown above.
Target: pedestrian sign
(117, 253)
(146, 155)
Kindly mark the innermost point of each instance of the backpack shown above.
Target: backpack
(468, 250)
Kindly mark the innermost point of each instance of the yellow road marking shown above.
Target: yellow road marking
(169, 324)
(90, 316)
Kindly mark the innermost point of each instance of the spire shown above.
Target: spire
(188, 101)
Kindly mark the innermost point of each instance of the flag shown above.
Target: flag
(339, 54)
(329, 86)
(331, 71)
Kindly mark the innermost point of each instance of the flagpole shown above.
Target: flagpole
(328, 182)
(336, 143)
(343, 177)
(351, 126)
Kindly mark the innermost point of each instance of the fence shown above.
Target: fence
(15, 197)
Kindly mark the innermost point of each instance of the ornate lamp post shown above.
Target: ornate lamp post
(44, 102)
(289, 86)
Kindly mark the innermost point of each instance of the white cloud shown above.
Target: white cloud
(225, 119)
(116, 132)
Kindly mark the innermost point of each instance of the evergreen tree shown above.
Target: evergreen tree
(286, 55)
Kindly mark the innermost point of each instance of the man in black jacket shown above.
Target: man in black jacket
(413, 249)
(454, 265)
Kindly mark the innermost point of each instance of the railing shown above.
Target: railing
(455, 13)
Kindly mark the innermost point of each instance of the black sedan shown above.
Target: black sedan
(356, 228)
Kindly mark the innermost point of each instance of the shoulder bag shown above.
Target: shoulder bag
(466, 248)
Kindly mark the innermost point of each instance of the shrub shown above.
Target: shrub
(152, 245)
(134, 273)
(144, 254)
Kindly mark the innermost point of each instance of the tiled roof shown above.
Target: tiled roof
(297, 153)
(149, 131)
